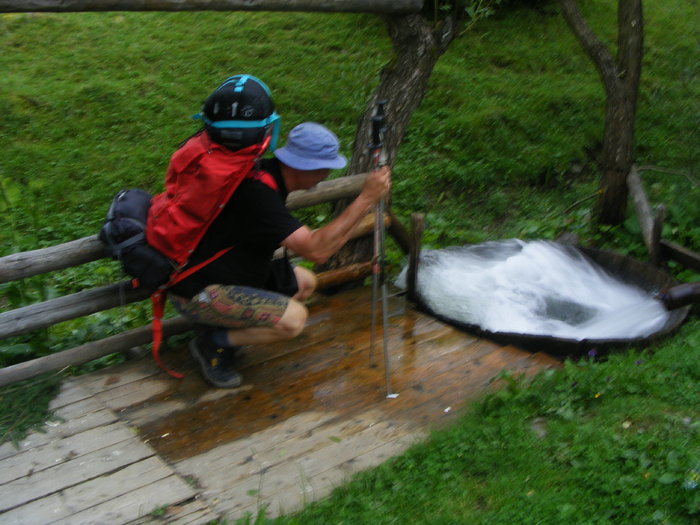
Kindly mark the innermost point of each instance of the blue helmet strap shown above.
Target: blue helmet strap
(240, 80)
(273, 120)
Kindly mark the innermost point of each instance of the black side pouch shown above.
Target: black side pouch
(123, 233)
(149, 266)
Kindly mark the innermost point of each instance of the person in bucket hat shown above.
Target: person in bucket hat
(245, 297)
(311, 146)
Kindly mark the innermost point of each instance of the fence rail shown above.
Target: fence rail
(333, 6)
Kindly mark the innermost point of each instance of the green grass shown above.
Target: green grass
(503, 145)
(24, 406)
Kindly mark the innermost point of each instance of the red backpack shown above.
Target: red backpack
(201, 177)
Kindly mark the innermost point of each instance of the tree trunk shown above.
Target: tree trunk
(418, 43)
(620, 78)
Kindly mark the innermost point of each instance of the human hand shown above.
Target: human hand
(377, 184)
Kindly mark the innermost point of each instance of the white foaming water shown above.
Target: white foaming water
(537, 288)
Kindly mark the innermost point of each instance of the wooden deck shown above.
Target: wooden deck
(132, 445)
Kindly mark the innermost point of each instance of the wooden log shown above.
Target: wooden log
(417, 226)
(88, 249)
(41, 315)
(688, 258)
(66, 255)
(659, 218)
(353, 272)
(366, 225)
(336, 6)
(651, 225)
(680, 295)
(327, 191)
(399, 233)
(89, 351)
(641, 206)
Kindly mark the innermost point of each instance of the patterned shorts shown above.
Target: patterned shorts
(232, 306)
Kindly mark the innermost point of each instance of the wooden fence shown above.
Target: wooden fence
(651, 225)
(81, 251)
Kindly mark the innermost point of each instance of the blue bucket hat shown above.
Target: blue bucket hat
(311, 146)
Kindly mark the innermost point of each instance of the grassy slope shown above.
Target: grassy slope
(102, 100)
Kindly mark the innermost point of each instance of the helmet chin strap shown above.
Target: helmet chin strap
(264, 144)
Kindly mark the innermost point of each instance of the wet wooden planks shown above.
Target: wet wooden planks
(88, 467)
(310, 413)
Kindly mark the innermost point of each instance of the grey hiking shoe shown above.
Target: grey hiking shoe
(215, 362)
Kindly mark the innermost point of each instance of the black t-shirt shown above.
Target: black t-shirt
(254, 222)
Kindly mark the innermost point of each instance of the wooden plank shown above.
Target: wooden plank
(144, 500)
(116, 498)
(71, 473)
(293, 498)
(311, 412)
(116, 376)
(215, 466)
(441, 398)
(263, 482)
(70, 392)
(187, 513)
(59, 451)
(65, 423)
(405, 408)
(129, 384)
(250, 405)
(326, 376)
(266, 451)
(128, 395)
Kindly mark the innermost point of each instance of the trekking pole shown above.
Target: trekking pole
(378, 277)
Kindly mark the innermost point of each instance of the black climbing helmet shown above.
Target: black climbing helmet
(240, 113)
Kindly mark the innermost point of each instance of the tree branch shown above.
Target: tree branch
(592, 45)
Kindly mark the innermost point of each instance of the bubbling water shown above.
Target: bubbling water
(536, 288)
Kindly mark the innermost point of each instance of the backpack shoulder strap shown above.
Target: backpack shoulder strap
(263, 176)
(158, 307)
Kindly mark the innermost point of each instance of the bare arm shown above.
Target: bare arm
(318, 245)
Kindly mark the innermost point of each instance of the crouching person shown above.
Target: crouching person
(244, 297)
